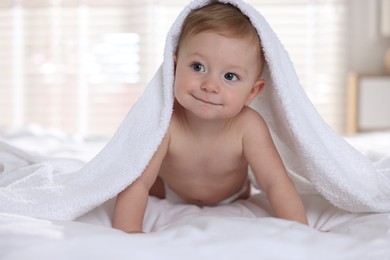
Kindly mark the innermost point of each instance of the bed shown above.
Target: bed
(241, 230)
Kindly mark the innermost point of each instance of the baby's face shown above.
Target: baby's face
(216, 76)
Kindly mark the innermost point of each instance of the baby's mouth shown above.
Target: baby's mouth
(206, 101)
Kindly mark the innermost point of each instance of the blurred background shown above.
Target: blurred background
(79, 65)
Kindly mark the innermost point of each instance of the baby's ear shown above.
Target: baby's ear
(256, 89)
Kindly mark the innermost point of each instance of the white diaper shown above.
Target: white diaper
(171, 196)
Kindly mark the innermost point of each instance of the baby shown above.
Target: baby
(213, 135)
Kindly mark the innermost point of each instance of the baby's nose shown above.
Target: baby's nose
(210, 85)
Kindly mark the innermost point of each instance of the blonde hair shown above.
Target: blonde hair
(224, 19)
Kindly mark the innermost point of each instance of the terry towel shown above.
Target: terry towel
(316, 158)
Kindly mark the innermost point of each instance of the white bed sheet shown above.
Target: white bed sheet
(188, 232)
(241, 230)
(372, 144)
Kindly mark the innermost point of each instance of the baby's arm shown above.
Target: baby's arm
(270, 172)
(131, 203)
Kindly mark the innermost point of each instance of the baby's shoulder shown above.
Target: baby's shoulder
(249, 115)
(249, 119)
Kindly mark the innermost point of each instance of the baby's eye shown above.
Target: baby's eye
(198, 67)
(231, 76)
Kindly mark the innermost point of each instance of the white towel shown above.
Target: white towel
(315, 156)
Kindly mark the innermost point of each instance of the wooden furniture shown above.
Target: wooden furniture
(368, 103)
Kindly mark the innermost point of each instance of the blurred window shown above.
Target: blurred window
(79, 65)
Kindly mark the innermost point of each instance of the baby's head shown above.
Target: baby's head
(224, 19)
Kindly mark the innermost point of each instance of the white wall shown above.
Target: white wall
(367, 45)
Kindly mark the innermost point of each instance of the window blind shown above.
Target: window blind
(80, 65)
(315, 33)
